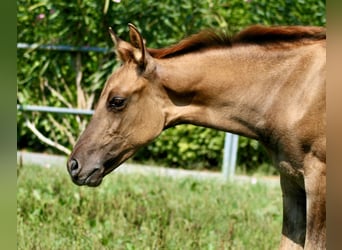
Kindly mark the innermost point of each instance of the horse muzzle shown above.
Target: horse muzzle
(92, 177)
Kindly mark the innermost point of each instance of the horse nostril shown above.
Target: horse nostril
(73, 167)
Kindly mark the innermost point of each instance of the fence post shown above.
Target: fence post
(229, 156)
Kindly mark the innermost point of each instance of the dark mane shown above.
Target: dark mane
(203, 40)
(256, 34)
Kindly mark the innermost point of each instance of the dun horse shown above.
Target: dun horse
(265, 83)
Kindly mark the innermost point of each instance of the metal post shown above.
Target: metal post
(229, 155)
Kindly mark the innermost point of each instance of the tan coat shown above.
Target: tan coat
(266, 83)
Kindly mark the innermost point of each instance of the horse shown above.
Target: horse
(266, 83)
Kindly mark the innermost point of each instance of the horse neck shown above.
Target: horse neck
(229, 89)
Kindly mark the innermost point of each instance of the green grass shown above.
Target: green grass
(144, 212)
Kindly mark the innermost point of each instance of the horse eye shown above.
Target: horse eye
(117, 103)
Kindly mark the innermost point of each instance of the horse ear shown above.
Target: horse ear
(137, 42)
(123, 49)
(135, 50)
(114, 37)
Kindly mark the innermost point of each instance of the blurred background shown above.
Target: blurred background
(73, 73)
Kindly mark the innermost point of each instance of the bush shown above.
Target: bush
(75, 79)
(185, 146)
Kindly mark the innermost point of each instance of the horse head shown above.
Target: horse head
(127, 115)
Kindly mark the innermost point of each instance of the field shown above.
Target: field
(132, 211)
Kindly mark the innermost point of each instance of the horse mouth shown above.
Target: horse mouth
(95, 176)
(93, 179)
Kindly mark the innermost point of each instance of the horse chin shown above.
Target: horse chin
(94, 183)
(113, 163)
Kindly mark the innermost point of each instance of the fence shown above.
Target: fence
(230, 143)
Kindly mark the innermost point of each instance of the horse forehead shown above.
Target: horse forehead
(125, 73)
(125, 79)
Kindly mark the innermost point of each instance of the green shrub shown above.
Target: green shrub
(50, 77)
(185, 146)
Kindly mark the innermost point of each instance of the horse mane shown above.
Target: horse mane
(257, 34)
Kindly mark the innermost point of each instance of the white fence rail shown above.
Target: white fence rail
(55, 110)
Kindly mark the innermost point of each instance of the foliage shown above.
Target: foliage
(75, 79)
(144, 212)
(186, 145)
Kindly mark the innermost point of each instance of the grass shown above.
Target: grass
(144, 212)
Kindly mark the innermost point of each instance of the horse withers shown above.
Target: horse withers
(265, 83)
